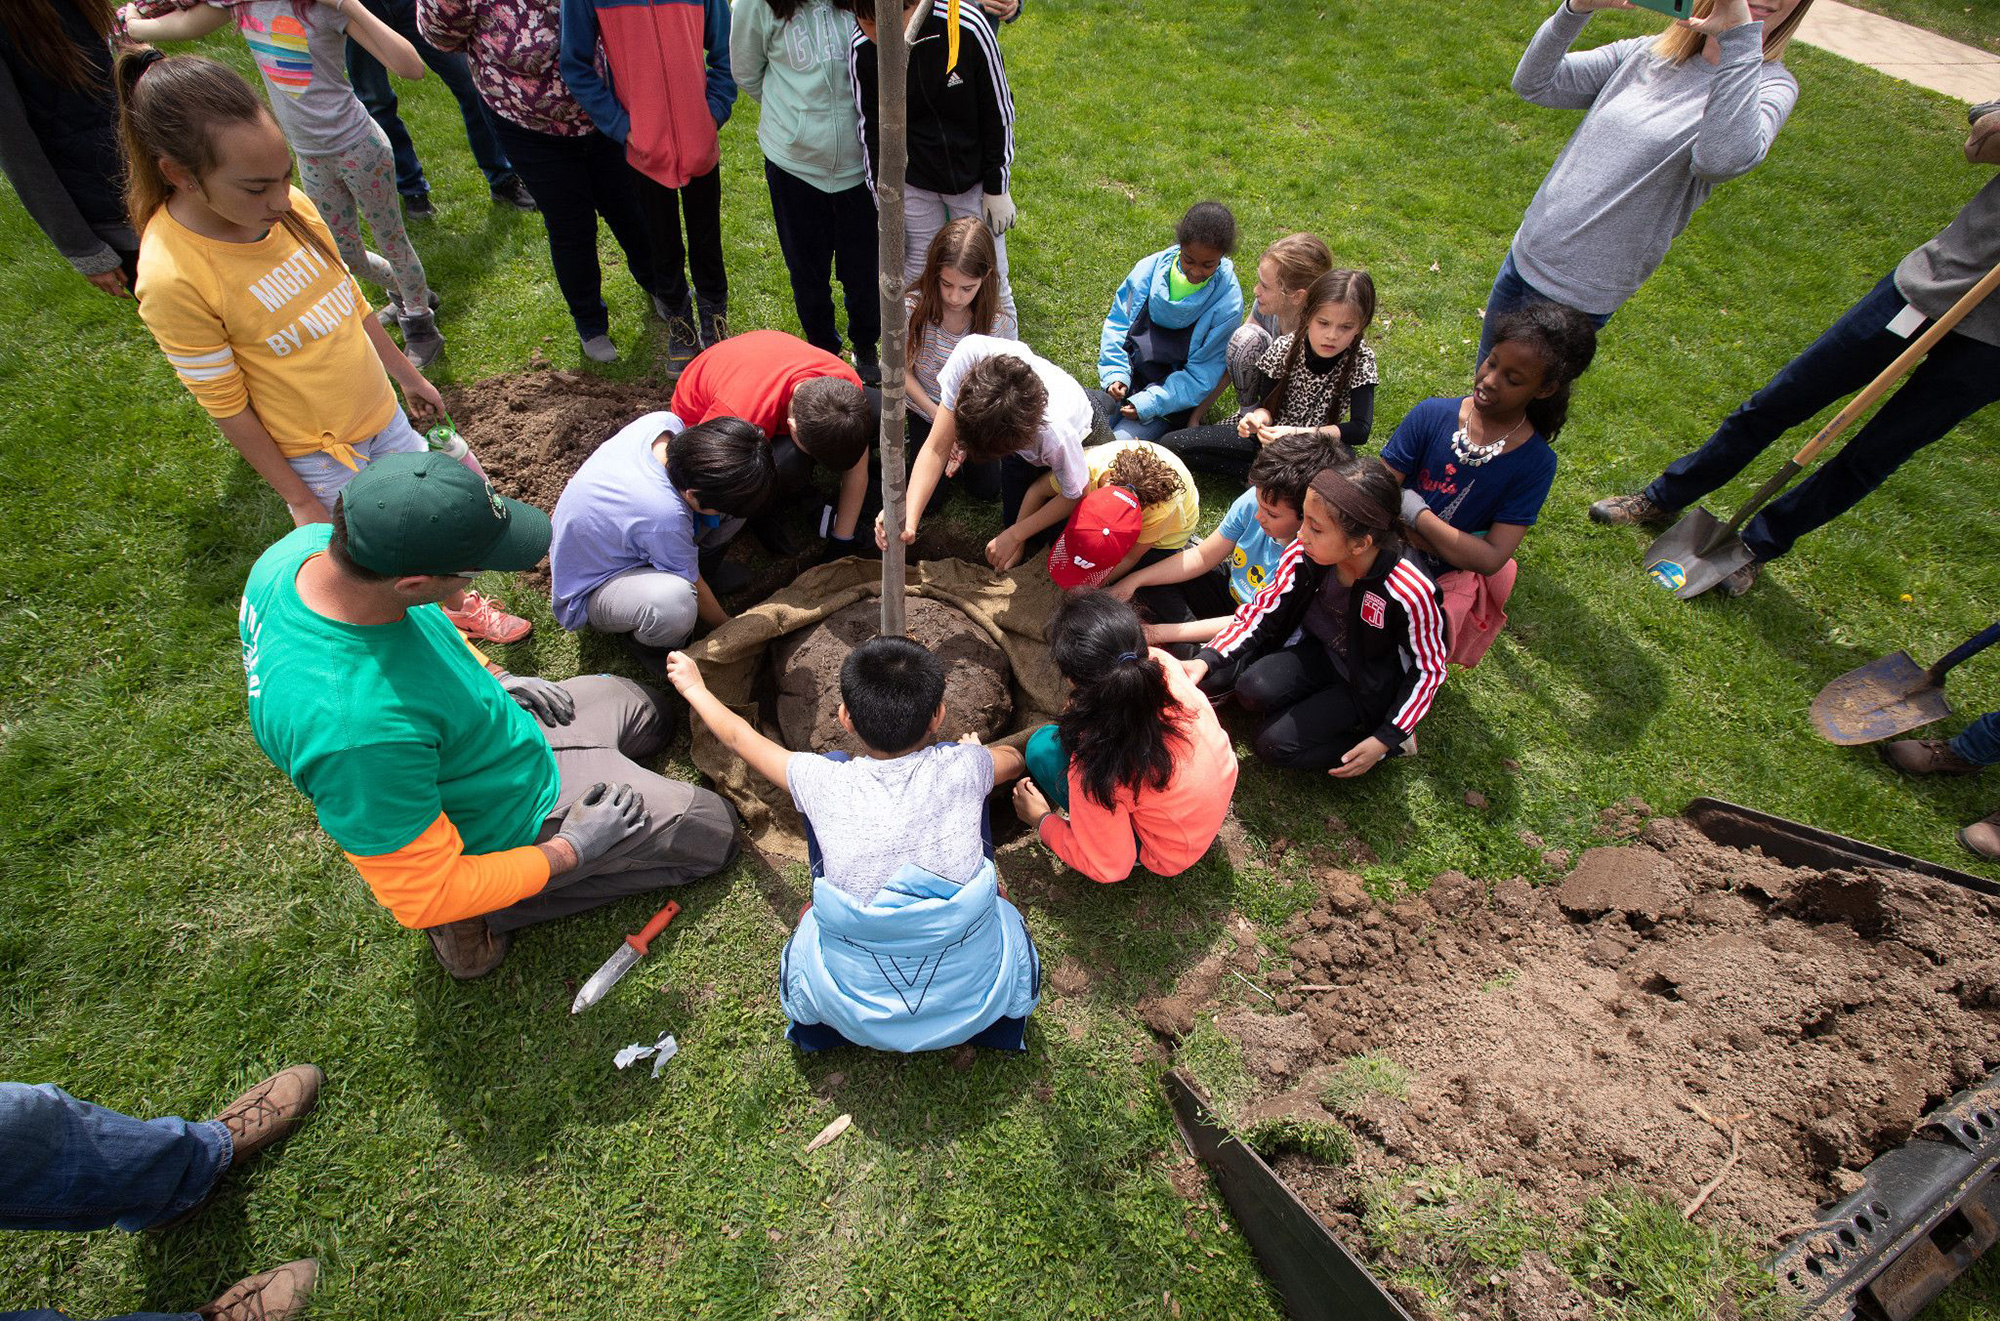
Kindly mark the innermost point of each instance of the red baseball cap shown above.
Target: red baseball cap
(1102, 530)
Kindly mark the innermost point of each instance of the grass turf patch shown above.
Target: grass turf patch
(173, 924)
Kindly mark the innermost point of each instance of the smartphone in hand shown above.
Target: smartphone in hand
(1671, 8)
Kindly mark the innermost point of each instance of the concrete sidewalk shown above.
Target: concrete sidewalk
(1903, 51)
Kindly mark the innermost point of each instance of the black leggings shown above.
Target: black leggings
(1310, 715)
(1216, 448)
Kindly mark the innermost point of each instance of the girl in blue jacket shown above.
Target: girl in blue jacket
(1165, 340)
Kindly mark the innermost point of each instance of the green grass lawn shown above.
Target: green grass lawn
(1976, 23)
(173, 925)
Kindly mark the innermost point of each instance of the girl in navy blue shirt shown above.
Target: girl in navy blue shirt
(1476, 470)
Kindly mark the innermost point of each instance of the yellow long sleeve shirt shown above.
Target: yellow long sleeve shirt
(275, 326)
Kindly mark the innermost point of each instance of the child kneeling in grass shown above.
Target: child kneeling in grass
(1142, 506)
(1163, 347)
(1343, 652)
(908, 944)
(1477, 469)
(636, 521)
(1137, 769)
(1191, 596)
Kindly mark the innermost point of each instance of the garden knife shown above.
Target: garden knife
(621, 962)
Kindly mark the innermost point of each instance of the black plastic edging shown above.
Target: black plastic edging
(1314, 1274)
(1925, 1212)
(1798, 845)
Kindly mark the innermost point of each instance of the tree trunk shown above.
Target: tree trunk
(892, 64)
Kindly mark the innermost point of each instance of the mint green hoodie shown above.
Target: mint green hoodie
(797, 72)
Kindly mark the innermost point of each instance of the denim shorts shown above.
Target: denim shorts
(326, 475)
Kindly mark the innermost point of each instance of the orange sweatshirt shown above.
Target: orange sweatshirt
(1167, 830)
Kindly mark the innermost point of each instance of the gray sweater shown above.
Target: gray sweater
(1937, 275)
(1656, 139)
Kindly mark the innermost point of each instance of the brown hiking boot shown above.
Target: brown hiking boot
(266, 1114)
(1631, 511)
(470, 948)
(1983, 837)
(1742, 580)
(273, 1296)
(1927, 756)
(262, 1117)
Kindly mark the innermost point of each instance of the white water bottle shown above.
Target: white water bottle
(445, 439)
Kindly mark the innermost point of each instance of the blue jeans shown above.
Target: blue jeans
(1979, 742)
(371, 84)
(69, 1165)
(1509, 292)
(1960, 376)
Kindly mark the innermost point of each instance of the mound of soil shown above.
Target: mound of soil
(1612, 1029)
(978, 695)
(533, 430)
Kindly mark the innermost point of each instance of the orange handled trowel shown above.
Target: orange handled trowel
(621, 962)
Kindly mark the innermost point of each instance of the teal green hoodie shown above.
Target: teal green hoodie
(797, 71)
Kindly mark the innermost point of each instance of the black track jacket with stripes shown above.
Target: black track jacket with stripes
(961, 123)
(1395, 635)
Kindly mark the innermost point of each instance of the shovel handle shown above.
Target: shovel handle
(1964, 651)
(1894, 372)
(665, 915)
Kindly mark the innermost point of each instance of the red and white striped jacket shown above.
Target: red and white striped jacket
(1395, 635)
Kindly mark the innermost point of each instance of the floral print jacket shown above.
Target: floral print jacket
(514, 47)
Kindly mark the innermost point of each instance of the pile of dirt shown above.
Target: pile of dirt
(1612, 1030)
(978, 697)
(533, 430)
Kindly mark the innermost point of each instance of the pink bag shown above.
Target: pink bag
(1474, 610)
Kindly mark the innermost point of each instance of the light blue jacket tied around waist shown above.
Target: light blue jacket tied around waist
(923, 965)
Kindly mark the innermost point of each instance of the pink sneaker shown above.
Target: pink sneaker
(480, 619)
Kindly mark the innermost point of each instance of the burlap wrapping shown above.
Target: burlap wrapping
(1012, 608)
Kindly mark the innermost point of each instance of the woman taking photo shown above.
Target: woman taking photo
(1667, 118)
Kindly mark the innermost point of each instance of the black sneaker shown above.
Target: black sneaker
(868, 369)
(514, 193)
(417, 206)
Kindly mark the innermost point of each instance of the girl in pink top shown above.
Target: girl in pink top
(1137, 767)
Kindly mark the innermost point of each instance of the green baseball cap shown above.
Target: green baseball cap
(429, 513)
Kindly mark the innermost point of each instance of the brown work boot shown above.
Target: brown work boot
(1983, 837)
(1631, 511)
(470, 948)
(266, 1114)
(1742, 580)
(262, 1117)
(1927, 756)
(273, 1296)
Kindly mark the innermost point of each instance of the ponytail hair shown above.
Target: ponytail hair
(172, 106)
(1565, 340)
(1122, 726)
(1351, 288)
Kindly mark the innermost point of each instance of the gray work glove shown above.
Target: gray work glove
(1413, 504)
(547, 702)
(605, 815)
(997, 209)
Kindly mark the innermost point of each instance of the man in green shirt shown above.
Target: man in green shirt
(472, 801)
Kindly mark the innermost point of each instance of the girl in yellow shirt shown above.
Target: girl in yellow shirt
(242, 287)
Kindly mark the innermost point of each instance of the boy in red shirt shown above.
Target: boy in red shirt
(810, 405)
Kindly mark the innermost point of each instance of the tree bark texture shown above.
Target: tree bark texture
(892, 63)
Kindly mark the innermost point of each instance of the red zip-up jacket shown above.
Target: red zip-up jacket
(662, 99)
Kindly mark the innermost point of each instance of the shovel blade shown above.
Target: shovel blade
(1880, 700)
(1675, 560)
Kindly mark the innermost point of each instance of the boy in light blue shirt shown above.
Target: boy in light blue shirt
(1187, 599)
